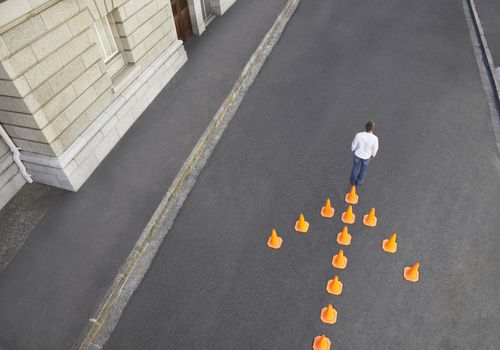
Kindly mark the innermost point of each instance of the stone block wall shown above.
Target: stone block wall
(50, 75)
(56, 89)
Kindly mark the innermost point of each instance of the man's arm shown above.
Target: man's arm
(354, 143)
(375, 148)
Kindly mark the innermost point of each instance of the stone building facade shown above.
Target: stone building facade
(76, 74)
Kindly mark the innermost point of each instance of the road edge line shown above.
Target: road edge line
(484, 60)
(107, 314)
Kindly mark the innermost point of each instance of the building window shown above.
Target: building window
(106, 38)
(110, 44)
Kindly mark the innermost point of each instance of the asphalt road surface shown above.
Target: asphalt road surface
(50, 289)
(409, 66)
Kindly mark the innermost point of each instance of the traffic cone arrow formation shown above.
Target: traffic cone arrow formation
(274, 240)
(328, 314)
(301, 225)
(348, 217)
(370, 219)
(390, 245)
(344, 238)
(334, 286)
(321, 343)
(327, 211)
(352, 197)
(411, 273)
(339, 261)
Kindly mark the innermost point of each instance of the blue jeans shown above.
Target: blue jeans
(358, 172)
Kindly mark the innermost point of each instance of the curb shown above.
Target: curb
(489, 75)
(107, 314)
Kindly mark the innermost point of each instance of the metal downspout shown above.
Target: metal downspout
(15, 154)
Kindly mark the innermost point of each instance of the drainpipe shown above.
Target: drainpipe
(16, 155)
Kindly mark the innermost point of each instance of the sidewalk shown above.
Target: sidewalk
(489, 13)
(52, 286)
(488, 18)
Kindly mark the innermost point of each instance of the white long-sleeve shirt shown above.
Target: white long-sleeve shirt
(365, 145)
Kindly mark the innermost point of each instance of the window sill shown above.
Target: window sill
(124, 77)
(107, 60)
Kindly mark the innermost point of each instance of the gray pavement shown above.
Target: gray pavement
(489, 13)
(21, 216)
(69, 260)
(409, 66)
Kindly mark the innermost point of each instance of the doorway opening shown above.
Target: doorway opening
(180, 10)
(208, 12)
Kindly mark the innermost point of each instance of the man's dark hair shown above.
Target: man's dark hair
(369, 126)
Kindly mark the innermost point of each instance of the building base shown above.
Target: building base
(11, 179)
(73, 167)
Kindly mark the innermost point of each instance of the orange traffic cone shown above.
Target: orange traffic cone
(352, 197)
(344, 238)
(339, 261)
(348, 217)
(334, 286)
(274, 240)
(411, 273)
(390, 245)
(328, 314)
(321, 343)
(301, 225)
(327, 211)
(370, 219)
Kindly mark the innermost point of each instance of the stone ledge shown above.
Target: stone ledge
(5, 161)
(72, 168)
(11, 187)
(8, 174)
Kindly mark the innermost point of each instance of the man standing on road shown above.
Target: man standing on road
(364, 146)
